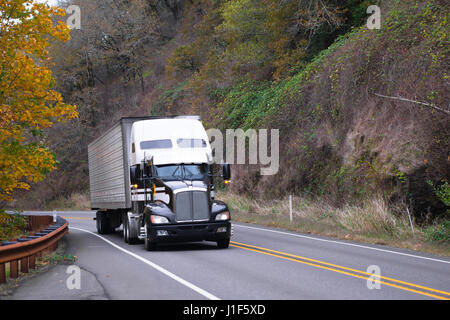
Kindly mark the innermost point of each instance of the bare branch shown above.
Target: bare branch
(413, 101)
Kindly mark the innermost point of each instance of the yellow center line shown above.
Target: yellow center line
(371, 276)
(345, 268)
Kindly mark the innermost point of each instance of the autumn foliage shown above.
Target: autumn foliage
(28, 104)
(310, 68)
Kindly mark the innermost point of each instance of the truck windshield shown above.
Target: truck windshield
(191, 143)
(182, 172)
(156, 144)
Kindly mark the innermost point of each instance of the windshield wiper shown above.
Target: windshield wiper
(189, 172)
(181, 173)
(179, 176)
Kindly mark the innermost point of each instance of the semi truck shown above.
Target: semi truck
(154, 176)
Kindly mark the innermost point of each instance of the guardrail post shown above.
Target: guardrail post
(29, 219)
(31, 222)
(2, 273)
(13, 269)
(24, 265)
(32, 262)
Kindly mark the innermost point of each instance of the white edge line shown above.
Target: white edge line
(343, 243)
(157, 267)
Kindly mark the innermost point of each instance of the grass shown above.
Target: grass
(438, 232)
(75, 202)
(57, 258)
(52, 258)
(372, 222)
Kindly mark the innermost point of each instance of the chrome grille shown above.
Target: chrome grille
(191, 206)
(183, 207)
(200, 205)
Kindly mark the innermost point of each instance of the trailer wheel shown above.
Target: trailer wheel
(223, 244)
(103, 225)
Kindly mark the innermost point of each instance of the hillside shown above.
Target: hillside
(332, 86)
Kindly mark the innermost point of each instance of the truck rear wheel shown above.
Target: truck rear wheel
(126, 232)
(103, 223)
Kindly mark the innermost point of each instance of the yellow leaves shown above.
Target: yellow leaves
(57, 11)
(6, 115)
(28, 102)
(30, 162)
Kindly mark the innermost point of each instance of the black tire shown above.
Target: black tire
(223, 244)
(130, 239)
(149, 245)
(125, 230)
(126, 226)
(103, 223)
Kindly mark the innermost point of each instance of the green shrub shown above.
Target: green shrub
(442, 192)
(11, 226)
(439, 232)
(168, 99)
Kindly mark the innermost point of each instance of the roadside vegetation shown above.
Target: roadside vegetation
(12, 226)
(78, 201)
(363, 114)
(373, 222)
(28, 103)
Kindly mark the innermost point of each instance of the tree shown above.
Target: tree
(28, 104)
(246, 34)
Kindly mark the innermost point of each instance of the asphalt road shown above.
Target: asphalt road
(261, 263)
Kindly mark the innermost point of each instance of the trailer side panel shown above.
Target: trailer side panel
(107, 174)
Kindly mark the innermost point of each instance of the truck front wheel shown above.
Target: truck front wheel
(223, 244)
(149, 245)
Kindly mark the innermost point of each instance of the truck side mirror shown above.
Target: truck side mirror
(226, 171)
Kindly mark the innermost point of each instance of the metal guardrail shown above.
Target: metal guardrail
(25, 252)
(36, 223)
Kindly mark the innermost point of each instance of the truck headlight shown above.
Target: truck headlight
(223, 216)
(159, 220)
